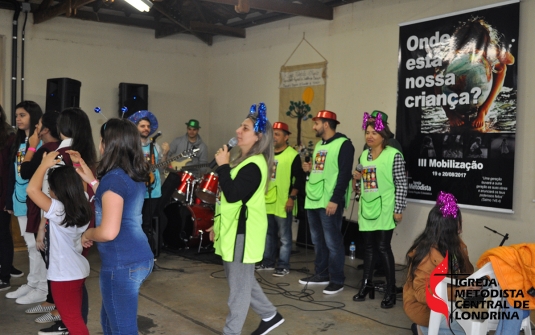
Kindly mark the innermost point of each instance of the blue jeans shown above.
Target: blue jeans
(326, 234)
(119, 287)
(511, 326)
(282, 227)
(444, 329)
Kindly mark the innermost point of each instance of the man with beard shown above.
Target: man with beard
(147, 124)
(327, 193)
(190, 140)
(287, 180)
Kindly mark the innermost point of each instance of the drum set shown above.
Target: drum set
(193, 203)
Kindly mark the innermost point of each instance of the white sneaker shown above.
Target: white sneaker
(20, 292)
(32, 297)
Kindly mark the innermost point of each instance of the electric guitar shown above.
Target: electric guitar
(185, 154)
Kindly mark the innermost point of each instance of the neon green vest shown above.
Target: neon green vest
(227, 215)
(377, 197)
(324, 174)
(280, 182)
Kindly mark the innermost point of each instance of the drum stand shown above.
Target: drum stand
(200, 241)
(189, 200)
(189, 193)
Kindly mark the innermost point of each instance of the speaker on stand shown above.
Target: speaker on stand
(135, 97)
(62, 93)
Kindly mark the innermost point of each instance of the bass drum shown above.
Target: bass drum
(173, 236)
(201, 218)
(184, 223)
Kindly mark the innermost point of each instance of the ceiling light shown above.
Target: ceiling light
(140, 5)
(297, 2)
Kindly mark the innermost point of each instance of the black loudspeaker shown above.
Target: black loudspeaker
(62, 93)
(135, 97)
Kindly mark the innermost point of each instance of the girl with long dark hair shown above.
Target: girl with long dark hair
(119, 188)
(75, 132)
(45, 133)
(27, 114)
(440, 236)
(68, 213)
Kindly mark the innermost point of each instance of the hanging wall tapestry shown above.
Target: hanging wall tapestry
(302, 96)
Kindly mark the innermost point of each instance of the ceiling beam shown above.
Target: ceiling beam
(167, 30)
(117, 19)
(200, 10)
(308, 8)
(44, 5)
(208, 39)
(67, 8)
(215, 29)
(257, 20)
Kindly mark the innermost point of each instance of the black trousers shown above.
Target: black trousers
(6, 246)
(381, 239)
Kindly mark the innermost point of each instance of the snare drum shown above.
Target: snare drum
(206, 190)
(181, 192)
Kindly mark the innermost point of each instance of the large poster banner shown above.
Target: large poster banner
(302, 95)
(457, 105)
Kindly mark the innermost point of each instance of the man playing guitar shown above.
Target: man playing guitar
(147, 124)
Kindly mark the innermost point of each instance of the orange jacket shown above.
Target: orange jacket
(514, 267)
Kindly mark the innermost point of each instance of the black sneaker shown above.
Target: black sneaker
(57, 329)
(266, 327)
(16, 273)
(333, 288)
(313, 280)
(4, 286)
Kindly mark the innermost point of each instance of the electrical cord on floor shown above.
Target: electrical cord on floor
(305, 295)
(213, 274)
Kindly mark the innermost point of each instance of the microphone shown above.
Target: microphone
(357, 185)
(231, 144)
(158, 134)
(307, 160)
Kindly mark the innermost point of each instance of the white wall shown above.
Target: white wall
(103, 55)
(218, 84)
(361, 46)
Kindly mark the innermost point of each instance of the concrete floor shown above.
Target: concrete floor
(184, 296)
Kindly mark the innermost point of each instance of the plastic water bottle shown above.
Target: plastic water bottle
(352, 249)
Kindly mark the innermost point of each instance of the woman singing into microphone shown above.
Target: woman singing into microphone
(240, 222)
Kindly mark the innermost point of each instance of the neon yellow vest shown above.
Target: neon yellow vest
(324, 174)
(377, 197)
(227, 215)
(279, 184)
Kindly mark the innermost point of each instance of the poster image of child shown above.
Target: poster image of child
(502, 147)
